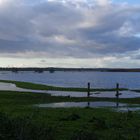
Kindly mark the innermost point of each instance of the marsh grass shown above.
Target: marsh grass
(21, 120)
(23, 128)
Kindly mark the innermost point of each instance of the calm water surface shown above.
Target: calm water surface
(12, 87)
(78, 79)
(107, 94)
(82, 104)
(120, 107)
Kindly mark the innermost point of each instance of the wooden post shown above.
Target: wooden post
(117, 94)
(88, 91)
(88, 104)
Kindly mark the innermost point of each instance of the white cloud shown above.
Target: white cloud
(126, 29)
(91, 30)
(103, 2)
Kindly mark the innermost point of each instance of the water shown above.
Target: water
(126, 109)
(12, 87)
(120, 107)
(82, 104)
(78, 79)
(107, 94)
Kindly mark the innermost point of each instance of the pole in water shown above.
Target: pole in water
(117, 94)
(88, 91)
(88, 104)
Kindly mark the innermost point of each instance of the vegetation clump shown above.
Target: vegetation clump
(71, 117)
(84, 135)
(23, 129)
(99, 123)
(20, 119)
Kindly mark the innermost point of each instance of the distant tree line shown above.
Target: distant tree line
(53, 69)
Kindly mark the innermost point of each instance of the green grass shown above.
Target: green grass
(67, 124)
(34, 86)
(90, 124)
(20, 119)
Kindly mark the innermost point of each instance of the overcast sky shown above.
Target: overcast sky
(70, 33)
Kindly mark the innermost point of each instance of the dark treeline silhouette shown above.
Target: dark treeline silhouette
(53, 69)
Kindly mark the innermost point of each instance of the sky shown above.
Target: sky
(70, 33)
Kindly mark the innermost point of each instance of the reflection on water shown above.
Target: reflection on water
(107, 94)
(126, 109)
(82, 104)
(120, 107)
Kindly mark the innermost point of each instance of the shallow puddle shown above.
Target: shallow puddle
(106, 94)
(83, 104)
(119, 107)
(12, 87)
(126, 109)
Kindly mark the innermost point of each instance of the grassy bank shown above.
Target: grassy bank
(34, 86)
(19, 119)
(73, 124)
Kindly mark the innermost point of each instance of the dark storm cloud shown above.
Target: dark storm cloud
(68, 30)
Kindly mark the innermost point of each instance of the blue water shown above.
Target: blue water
(82, 104)
(78, 79)
(119, 107)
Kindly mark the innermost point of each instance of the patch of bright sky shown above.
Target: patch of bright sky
(137, 35)
(127, 1)
(111, 62)
(14, 62)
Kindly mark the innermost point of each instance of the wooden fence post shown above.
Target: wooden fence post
(88, 90)
(117, 94)
(88, 104)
